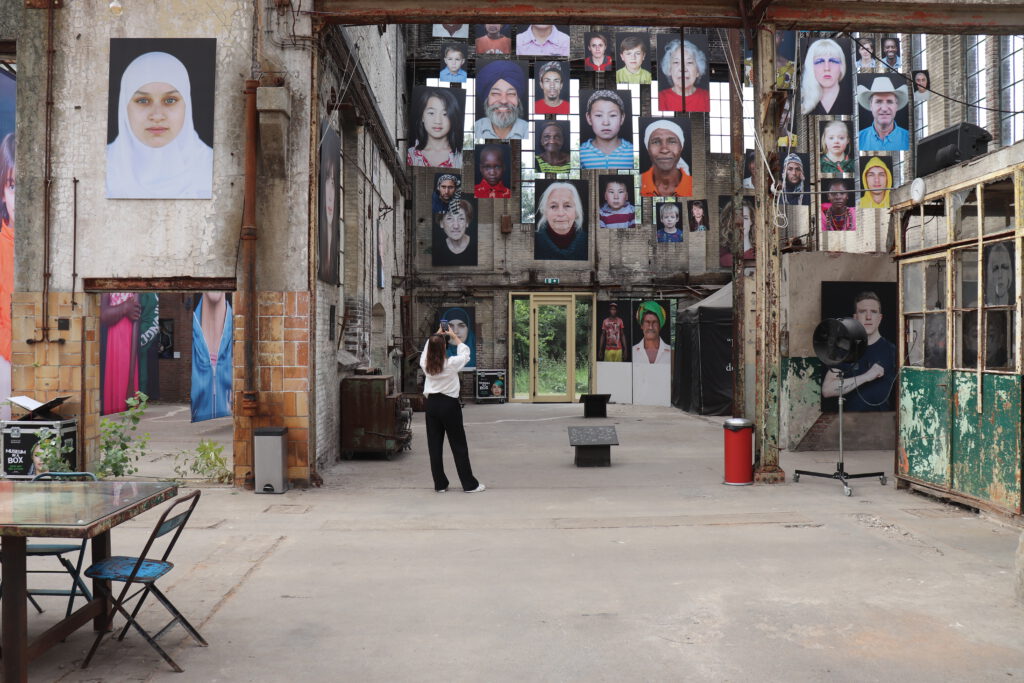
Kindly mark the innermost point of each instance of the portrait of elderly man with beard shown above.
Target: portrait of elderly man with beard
(795, 189)
(669, 173)
(880, 103)
(500, 94)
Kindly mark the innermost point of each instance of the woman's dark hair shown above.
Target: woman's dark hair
(437, 346)
(455, 117)
(6, 169)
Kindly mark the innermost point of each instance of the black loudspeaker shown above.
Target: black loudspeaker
(952, 146)
(839, 340)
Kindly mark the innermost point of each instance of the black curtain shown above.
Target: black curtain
(703, 367)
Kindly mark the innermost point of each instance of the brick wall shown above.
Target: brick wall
(282, 357)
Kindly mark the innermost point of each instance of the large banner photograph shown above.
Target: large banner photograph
(160, 118)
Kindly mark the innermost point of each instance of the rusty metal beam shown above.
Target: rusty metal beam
(769, 264)
(158, 284)
(925, 16)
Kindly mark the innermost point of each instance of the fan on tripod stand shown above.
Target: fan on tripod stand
(839, 341)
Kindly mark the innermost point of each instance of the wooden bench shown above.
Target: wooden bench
(595, 405)
(593, 445)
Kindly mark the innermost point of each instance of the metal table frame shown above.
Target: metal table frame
(18, 652)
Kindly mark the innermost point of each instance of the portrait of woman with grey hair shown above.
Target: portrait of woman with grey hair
(682, 74)
(561, 221)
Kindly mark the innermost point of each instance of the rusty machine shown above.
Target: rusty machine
(374, 418)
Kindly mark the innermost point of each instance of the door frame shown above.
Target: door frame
(569, 299)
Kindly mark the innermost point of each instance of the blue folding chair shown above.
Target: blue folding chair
(144, 571)
(59, 550)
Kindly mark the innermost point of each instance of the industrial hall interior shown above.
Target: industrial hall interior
(811, 220)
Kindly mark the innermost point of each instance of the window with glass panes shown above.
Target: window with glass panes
(979, 313)
(718, 119)
(977, 85)
(1011, 88)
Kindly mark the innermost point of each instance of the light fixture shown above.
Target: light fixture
(115, 8)
(918, 189)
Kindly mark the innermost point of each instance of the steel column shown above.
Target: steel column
(768, 260)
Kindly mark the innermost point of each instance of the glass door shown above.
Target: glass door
(553, 375)
(551, 346)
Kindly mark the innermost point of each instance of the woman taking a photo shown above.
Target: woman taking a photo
(444, 413)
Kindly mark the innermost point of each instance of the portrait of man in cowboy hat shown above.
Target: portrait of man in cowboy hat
(883, 103)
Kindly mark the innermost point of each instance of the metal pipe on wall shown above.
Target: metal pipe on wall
(739, 380)
(250, 397)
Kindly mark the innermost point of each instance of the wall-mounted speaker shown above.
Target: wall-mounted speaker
(949, 147)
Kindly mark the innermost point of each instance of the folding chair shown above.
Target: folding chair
(144, 571)
(59, 550)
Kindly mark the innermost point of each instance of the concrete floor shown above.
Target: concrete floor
(650, 570)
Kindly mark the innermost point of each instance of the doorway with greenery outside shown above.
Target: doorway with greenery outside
(552, 347)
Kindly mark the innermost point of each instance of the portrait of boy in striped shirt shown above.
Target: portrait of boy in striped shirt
(607, 115)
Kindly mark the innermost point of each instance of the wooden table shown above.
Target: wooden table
(60, 509)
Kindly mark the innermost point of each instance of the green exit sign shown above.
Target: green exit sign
(551, 280)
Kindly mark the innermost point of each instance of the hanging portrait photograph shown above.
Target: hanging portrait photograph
(683, 71)
(328, 224)
(785, 59)
(502, 99)
(650, 327)
(884, 116)
(875, 181)
(436, 123)
(837, 207)
(453, 62)
(867, 384)
(551, 87)
(617, 201)
(922, 86)
(669, 221)
(129, 348)
(1000, 288)
(826, 83)
(837, 156)
(462, 321)
(455, 242)
(632, 58)
(212, 366)
(551, 142)
(697, 215)
(160, 118)
(613, 331)
(493, 179)
(796, 179)
(606, 129)
(726, 230)
(493, 39)
(561, 220)
(665, 153)
(598, 48)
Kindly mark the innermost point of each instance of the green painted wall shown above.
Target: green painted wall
(944, 440)
(801, 381)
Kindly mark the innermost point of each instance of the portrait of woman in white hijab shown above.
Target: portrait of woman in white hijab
(156, 152)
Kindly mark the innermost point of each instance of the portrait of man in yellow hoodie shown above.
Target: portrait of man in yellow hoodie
(876, 181)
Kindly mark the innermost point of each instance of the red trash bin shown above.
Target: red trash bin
(739, 452)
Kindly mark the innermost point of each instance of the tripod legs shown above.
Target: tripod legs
(842, 475)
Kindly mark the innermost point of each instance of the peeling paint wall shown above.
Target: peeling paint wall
(947, 442)
(802, 424)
